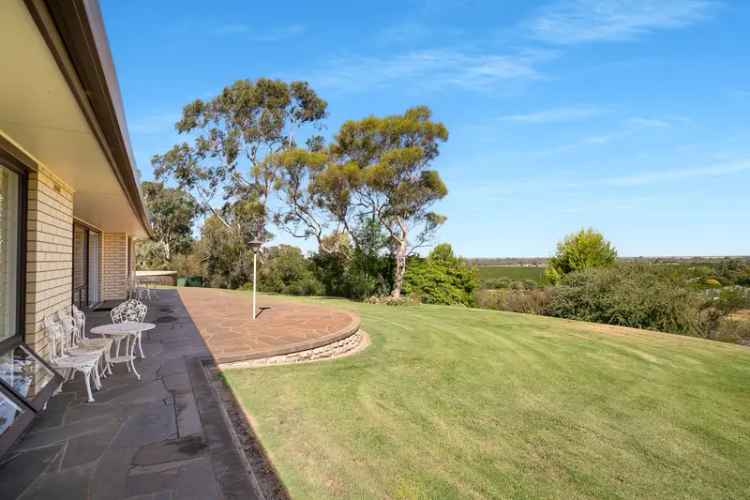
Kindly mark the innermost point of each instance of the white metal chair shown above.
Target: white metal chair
(130, 310)
(91, 344)
(72, 363)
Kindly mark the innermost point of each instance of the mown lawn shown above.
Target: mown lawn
(459, 403)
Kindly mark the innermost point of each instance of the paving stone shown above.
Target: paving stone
(88, 411)
(58, 435)
(197, 482)
(188, 419)
(71, 484)
(139, 392)
(85, 449)
(54, 414)
(159, 495)
(152, 482)
(176, 450)
(171, 367)
(178, 383)
(156, 422)
(19, 470)
(111, 475)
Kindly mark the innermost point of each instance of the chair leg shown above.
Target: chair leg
(132, 360)
(97, 378)
(140, 347)
(87, 379)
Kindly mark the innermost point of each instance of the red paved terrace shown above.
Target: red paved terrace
(223, 320)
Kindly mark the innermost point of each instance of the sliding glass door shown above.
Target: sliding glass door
(86, 262)
(95, 252)
(80, 266)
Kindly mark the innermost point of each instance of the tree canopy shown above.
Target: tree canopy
(172, 213)
(376, 168)
(232, 135)
(579, 251)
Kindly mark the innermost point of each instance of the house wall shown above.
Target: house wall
(115, 266)
(49, 253)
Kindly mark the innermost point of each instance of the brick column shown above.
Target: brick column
(49, 254)
(115, 266)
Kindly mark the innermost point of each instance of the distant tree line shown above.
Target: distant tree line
(586, 281)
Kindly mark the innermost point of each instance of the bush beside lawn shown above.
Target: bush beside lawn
(450, 402)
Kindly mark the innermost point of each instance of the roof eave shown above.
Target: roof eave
(74, 31)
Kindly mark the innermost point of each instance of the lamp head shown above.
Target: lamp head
(255, 245)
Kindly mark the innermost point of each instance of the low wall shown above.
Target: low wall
(168, 278)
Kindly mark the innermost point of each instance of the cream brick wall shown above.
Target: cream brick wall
(49, 263)
(115, 266)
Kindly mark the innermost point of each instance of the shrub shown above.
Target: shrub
(636, 296)
(392, 301)
(496, 283)
(731, 330)
(729, 299)
(359, 272)
(285, 270)
(441, 278)
(532, 301)
(583, 250)
(712, 283)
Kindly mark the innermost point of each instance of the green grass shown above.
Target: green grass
(515, 273)
(450, 402)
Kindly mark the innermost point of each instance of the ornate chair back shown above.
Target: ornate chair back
(79, 320)
(69, 327)
(130, 310)
(56, 337)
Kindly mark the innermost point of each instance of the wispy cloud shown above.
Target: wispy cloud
(555, 115)
(408, 32)
(662, 176)
(640, 123)
(412, 32)
(580, 21)
(436, 68)
(272, 35)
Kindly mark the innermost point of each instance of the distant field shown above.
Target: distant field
(515, 273)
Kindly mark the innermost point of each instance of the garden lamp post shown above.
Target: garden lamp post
(255, 245)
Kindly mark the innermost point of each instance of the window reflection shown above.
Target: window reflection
(9, 412)
(22, 371)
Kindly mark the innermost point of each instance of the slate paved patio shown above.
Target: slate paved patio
(162, 437)
(224, 320)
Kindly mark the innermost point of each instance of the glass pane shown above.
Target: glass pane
(80, 258)
(8, 252)
(22, 371)
(9, 412)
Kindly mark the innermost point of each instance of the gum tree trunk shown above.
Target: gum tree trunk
(399, 255)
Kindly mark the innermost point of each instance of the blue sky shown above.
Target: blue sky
(632, 117)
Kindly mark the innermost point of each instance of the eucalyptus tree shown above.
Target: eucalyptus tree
(172, 213)
(377, 168)
(230, 137)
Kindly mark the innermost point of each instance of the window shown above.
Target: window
(23, 372)
(26, 381)
(9, 253)
(9, 412)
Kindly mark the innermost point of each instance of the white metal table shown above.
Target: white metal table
(130, 331)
